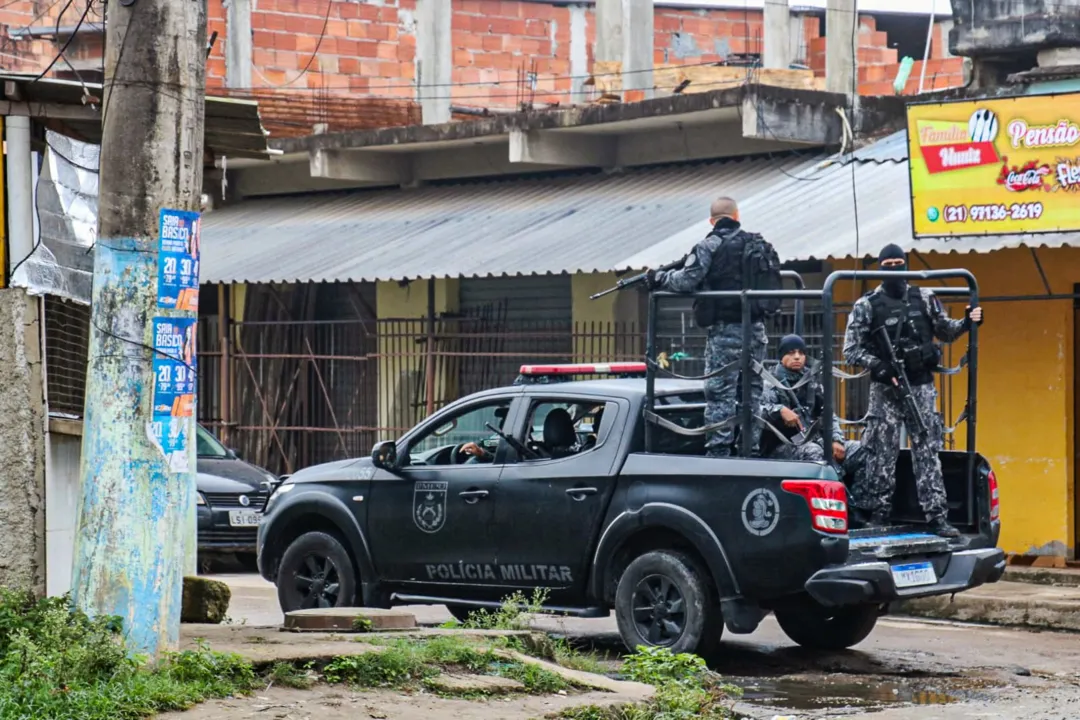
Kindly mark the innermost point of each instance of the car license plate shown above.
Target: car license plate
(914, 575)
(245, 518)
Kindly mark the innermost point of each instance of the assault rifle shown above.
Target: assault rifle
(638, 279)
(902, 391)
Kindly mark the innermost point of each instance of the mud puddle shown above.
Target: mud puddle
(799, 692)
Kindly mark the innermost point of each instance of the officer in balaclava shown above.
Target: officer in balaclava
(913, 318)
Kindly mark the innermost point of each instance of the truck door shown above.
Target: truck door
(548, 510)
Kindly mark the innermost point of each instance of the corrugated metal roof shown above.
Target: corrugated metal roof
(520, 227)
(814, 218)
(804, 205)
(891, 148)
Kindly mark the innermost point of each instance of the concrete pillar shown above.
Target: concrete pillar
(945, 27)
(238, 43)
(609, 31)
(637, 30)
(20, 191)
(22, 443)
(435, 59)
(841, 45)
(579, 52)
(777, 34)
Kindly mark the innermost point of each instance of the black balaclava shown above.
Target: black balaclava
(893, 288)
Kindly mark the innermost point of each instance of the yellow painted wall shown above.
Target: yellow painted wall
(614, 316)
(401, 364)
(1025, 412)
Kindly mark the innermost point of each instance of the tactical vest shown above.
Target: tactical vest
(907, 321)
(742, 261)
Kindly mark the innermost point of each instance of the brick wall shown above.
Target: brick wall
(369, 47)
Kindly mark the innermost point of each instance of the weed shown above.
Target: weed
(285, 674)
(361, 624)
(56, 662)
(685, 689)
(513, 615)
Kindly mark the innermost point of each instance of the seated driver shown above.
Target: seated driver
(479, 453)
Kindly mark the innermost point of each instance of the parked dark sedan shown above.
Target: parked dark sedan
(230, 500)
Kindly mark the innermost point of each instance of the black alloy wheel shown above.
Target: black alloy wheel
(318, 582)
(659, 610)
(316, 572)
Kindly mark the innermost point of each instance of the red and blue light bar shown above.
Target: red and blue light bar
(585, 369)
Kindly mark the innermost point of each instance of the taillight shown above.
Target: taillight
(827, 501)
(995, 503)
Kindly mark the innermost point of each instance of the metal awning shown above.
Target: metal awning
(573, 222)
(233, 127)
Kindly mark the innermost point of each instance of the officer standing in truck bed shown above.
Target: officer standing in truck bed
(913, 317)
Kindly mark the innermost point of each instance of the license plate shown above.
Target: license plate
(914, 575)
(245, 518)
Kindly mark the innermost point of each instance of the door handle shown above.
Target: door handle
(473, 494)
(581, 491)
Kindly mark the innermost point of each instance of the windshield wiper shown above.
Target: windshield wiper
(514, 443)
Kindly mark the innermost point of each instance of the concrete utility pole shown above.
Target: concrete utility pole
(137, 504)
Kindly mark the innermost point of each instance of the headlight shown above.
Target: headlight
(282, 489)
(199, 499)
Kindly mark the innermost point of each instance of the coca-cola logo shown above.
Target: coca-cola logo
(1029, 176)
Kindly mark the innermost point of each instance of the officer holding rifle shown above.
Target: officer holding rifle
(891, 332)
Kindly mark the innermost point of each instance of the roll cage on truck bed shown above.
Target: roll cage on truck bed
(635, 519)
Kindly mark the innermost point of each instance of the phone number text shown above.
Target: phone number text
(992, 213)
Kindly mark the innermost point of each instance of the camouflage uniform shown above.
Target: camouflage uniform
(882, 437)
(810, 399)
(723, 346)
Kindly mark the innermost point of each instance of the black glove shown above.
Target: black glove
(882, 372)
(653, 279)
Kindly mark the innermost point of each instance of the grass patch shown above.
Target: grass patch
(409, 664)
(284, 674)
(57, 663)
(685, 689)
(514, 615)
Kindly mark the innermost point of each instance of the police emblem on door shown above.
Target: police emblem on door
(429, 505)
(760, 512)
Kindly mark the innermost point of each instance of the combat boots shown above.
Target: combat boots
(940, 526)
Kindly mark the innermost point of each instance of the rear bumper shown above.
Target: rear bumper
(872, 582)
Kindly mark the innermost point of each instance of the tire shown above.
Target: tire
(316, 572)
(460, 612)
(814, 626)
(661, 577)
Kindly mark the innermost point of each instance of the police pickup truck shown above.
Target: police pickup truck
(547, 484)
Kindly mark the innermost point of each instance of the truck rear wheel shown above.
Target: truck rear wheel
(663, 600)
(814, 626)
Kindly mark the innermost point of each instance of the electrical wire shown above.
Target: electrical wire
(67, 43)
(314, 53)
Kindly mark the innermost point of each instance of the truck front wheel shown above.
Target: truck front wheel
(814, 626)
(663, 600)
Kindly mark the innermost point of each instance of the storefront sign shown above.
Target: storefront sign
(994, 167)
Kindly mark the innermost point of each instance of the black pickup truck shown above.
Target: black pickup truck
(567, 499)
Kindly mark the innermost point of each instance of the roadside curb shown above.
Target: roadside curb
(1042, 576)
(1013, 604)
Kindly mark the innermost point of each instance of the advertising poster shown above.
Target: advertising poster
(178, 260)
(174, 367)
(992, 167)
(174, 388)
(171, 435)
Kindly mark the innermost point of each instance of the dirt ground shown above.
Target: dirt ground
(335, 703)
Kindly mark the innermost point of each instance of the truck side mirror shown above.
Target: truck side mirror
(384, 455)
